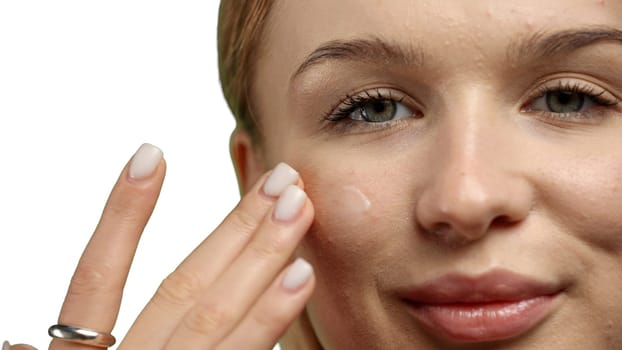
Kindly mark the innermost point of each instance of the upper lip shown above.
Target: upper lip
(494, 286)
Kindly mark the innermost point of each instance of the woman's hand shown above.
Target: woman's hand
(232, 292)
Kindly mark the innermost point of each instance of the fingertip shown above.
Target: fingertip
(298, 275)
(20, 347)
(144, 163)
(280, 178)
(300, 183)
(258, 186)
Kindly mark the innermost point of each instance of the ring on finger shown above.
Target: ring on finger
(81, 335)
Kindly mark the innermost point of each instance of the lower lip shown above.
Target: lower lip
(479, 322)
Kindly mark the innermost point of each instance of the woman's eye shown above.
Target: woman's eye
(573, 101)
(379, 110)
(369, 111)
(564, 102)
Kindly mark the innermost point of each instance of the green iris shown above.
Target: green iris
(379, 111)
(565, 101)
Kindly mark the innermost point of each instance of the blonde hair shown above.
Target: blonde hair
(240, 26)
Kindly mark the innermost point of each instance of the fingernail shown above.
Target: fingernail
(6, 345)
(297, 274)
(24, 346)
(282, 176)
(145, 161)
(289, 204)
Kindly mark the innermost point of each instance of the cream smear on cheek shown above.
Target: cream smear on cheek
(352, 204)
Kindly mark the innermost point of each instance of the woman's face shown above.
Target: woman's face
(465, 163)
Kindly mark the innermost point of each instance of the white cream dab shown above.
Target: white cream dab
(353, 202)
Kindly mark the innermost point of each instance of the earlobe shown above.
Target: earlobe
(246, 159)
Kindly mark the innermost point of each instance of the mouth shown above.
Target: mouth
(497, 305)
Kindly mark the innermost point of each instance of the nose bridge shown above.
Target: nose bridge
(466, 142)
(467, 167)
(472, 186)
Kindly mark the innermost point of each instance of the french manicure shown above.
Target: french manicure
(298, 273)
(290, 203)
(282, 176)
(145, 161)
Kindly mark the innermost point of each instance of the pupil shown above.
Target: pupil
(379, 111)
(565, 101)
(379, 107)
(564, 98)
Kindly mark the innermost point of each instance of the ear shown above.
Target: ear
(247, 159)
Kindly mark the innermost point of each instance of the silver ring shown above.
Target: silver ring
(81, 335)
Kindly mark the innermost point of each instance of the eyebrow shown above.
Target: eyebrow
(375, 50)
(543, 45)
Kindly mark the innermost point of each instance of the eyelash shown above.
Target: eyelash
(595, 95)
(339, 120)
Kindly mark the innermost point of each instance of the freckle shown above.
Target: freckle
(602, 2)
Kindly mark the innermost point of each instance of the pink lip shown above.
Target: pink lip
(493, 306)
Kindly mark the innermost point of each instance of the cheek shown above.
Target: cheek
(362, 202)
(348, 208)
(358, 215)
(349, 246)
(585, 196)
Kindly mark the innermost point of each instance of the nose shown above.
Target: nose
(475, 184)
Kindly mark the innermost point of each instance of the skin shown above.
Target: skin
(229, 293)
(512, 188)
(478, 179)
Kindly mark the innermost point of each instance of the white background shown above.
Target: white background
(82, 85)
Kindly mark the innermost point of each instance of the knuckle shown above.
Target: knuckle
(274, 246)
(274, 319)
(89, 279)
(179, 288)
(123, 212)
(244, 220)
(207, 318)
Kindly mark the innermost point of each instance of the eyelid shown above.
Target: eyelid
(337, 120)
(602, 102)
(371, 93)
(568, 84)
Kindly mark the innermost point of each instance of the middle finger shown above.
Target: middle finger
(231, 297)
(179, 292)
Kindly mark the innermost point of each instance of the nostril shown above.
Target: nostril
(502, 221)
(445, 234)
(454, 236)
(467, 210)
(440, 229)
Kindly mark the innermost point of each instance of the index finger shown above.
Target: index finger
(94, 295)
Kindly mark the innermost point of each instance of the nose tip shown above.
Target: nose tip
(463, 208)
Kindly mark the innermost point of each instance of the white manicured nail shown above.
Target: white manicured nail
(290, 202)
(145, 161)
(6, 345)
(23, 346)
(297, 274)
(282, 176)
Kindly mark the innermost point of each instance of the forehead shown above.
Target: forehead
(450, 28)
(458, 40)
